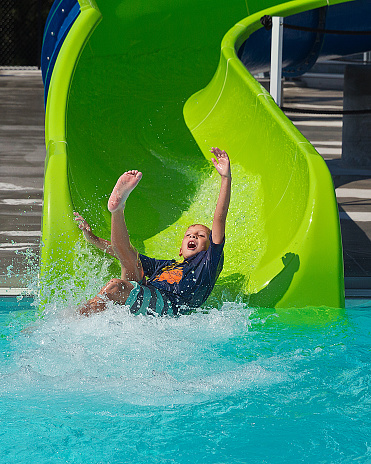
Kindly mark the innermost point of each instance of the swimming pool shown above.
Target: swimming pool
(234, 385)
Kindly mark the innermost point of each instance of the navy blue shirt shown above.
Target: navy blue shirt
(189, 282)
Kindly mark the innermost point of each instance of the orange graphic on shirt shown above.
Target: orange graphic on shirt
(172, 276)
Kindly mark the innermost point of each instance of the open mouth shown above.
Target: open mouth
(191, 245)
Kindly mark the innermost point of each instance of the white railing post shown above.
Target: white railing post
(276, 59)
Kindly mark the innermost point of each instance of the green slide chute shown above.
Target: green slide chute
(126, 93)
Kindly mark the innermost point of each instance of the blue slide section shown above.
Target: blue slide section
(302, 48)
(60, 20)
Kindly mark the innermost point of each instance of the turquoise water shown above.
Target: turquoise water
(234, 385)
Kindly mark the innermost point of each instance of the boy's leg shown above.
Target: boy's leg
(118, 290)
(131, 266)
(115, 290)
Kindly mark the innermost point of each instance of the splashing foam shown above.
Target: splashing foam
(141, 360)
(138, 359)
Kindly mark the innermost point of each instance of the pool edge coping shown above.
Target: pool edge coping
(15, 291)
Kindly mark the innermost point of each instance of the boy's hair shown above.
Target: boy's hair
(203, 225)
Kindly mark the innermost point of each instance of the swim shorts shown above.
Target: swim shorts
(146, 299)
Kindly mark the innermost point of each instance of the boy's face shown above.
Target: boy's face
(196, 239)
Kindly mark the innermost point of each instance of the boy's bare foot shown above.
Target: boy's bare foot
(124, 186)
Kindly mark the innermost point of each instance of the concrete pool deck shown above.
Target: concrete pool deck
(22, 153)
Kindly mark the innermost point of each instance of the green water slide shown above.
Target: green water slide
(126, 93)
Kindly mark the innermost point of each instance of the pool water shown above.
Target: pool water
(233, 385)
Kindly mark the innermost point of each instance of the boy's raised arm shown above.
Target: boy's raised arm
(222, 165)
(104, 245)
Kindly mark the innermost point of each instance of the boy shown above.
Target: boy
(151, 286)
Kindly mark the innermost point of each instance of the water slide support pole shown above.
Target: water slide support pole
(276, 59)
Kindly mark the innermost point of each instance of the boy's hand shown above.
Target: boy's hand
(104, 245)
(222, 164)
(83, 225)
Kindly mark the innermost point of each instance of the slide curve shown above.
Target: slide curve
(124, 93)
